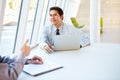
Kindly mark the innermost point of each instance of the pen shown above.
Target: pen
(35, 46)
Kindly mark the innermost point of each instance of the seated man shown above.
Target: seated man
(57, 27)
(11, 68)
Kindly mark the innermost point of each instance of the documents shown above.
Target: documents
(37, 69)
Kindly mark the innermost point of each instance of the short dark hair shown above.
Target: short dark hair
(58, 9)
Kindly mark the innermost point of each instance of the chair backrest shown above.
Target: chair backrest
(75, 23)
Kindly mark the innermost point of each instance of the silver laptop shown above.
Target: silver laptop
(66, 42)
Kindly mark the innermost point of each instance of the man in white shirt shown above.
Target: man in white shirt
(57, 27)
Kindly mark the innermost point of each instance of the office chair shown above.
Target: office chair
(75, 23)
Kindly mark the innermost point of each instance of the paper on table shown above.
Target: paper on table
(37, 69)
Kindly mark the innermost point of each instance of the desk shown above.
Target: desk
(95, 62)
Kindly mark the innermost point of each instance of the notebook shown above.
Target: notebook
(38, 69)
(66, 42)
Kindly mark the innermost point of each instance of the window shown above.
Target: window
(10, 20)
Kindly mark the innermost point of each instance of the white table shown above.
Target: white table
(94, 62)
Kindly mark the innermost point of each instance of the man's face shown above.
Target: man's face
(55, 18)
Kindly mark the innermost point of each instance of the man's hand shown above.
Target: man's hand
(35, 60)
(48, 48)
(25, 49)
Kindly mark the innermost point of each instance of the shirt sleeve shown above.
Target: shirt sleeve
(15, 66)
(43, 37)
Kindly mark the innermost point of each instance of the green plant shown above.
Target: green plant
(75, 23)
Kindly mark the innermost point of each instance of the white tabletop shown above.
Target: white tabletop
(94, 62)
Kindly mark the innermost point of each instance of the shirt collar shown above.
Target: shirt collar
(60, 28)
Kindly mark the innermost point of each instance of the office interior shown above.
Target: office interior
(22, 19)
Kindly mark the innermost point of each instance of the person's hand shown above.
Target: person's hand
(35, 60)
(48, 48)
(25, 49)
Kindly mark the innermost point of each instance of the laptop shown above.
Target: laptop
(66, 42)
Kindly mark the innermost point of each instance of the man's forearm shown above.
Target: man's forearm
(11, 69)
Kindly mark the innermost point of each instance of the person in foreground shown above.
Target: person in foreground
(57, 27)
(10, 68)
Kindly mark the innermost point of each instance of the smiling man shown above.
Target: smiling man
(57, 27)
